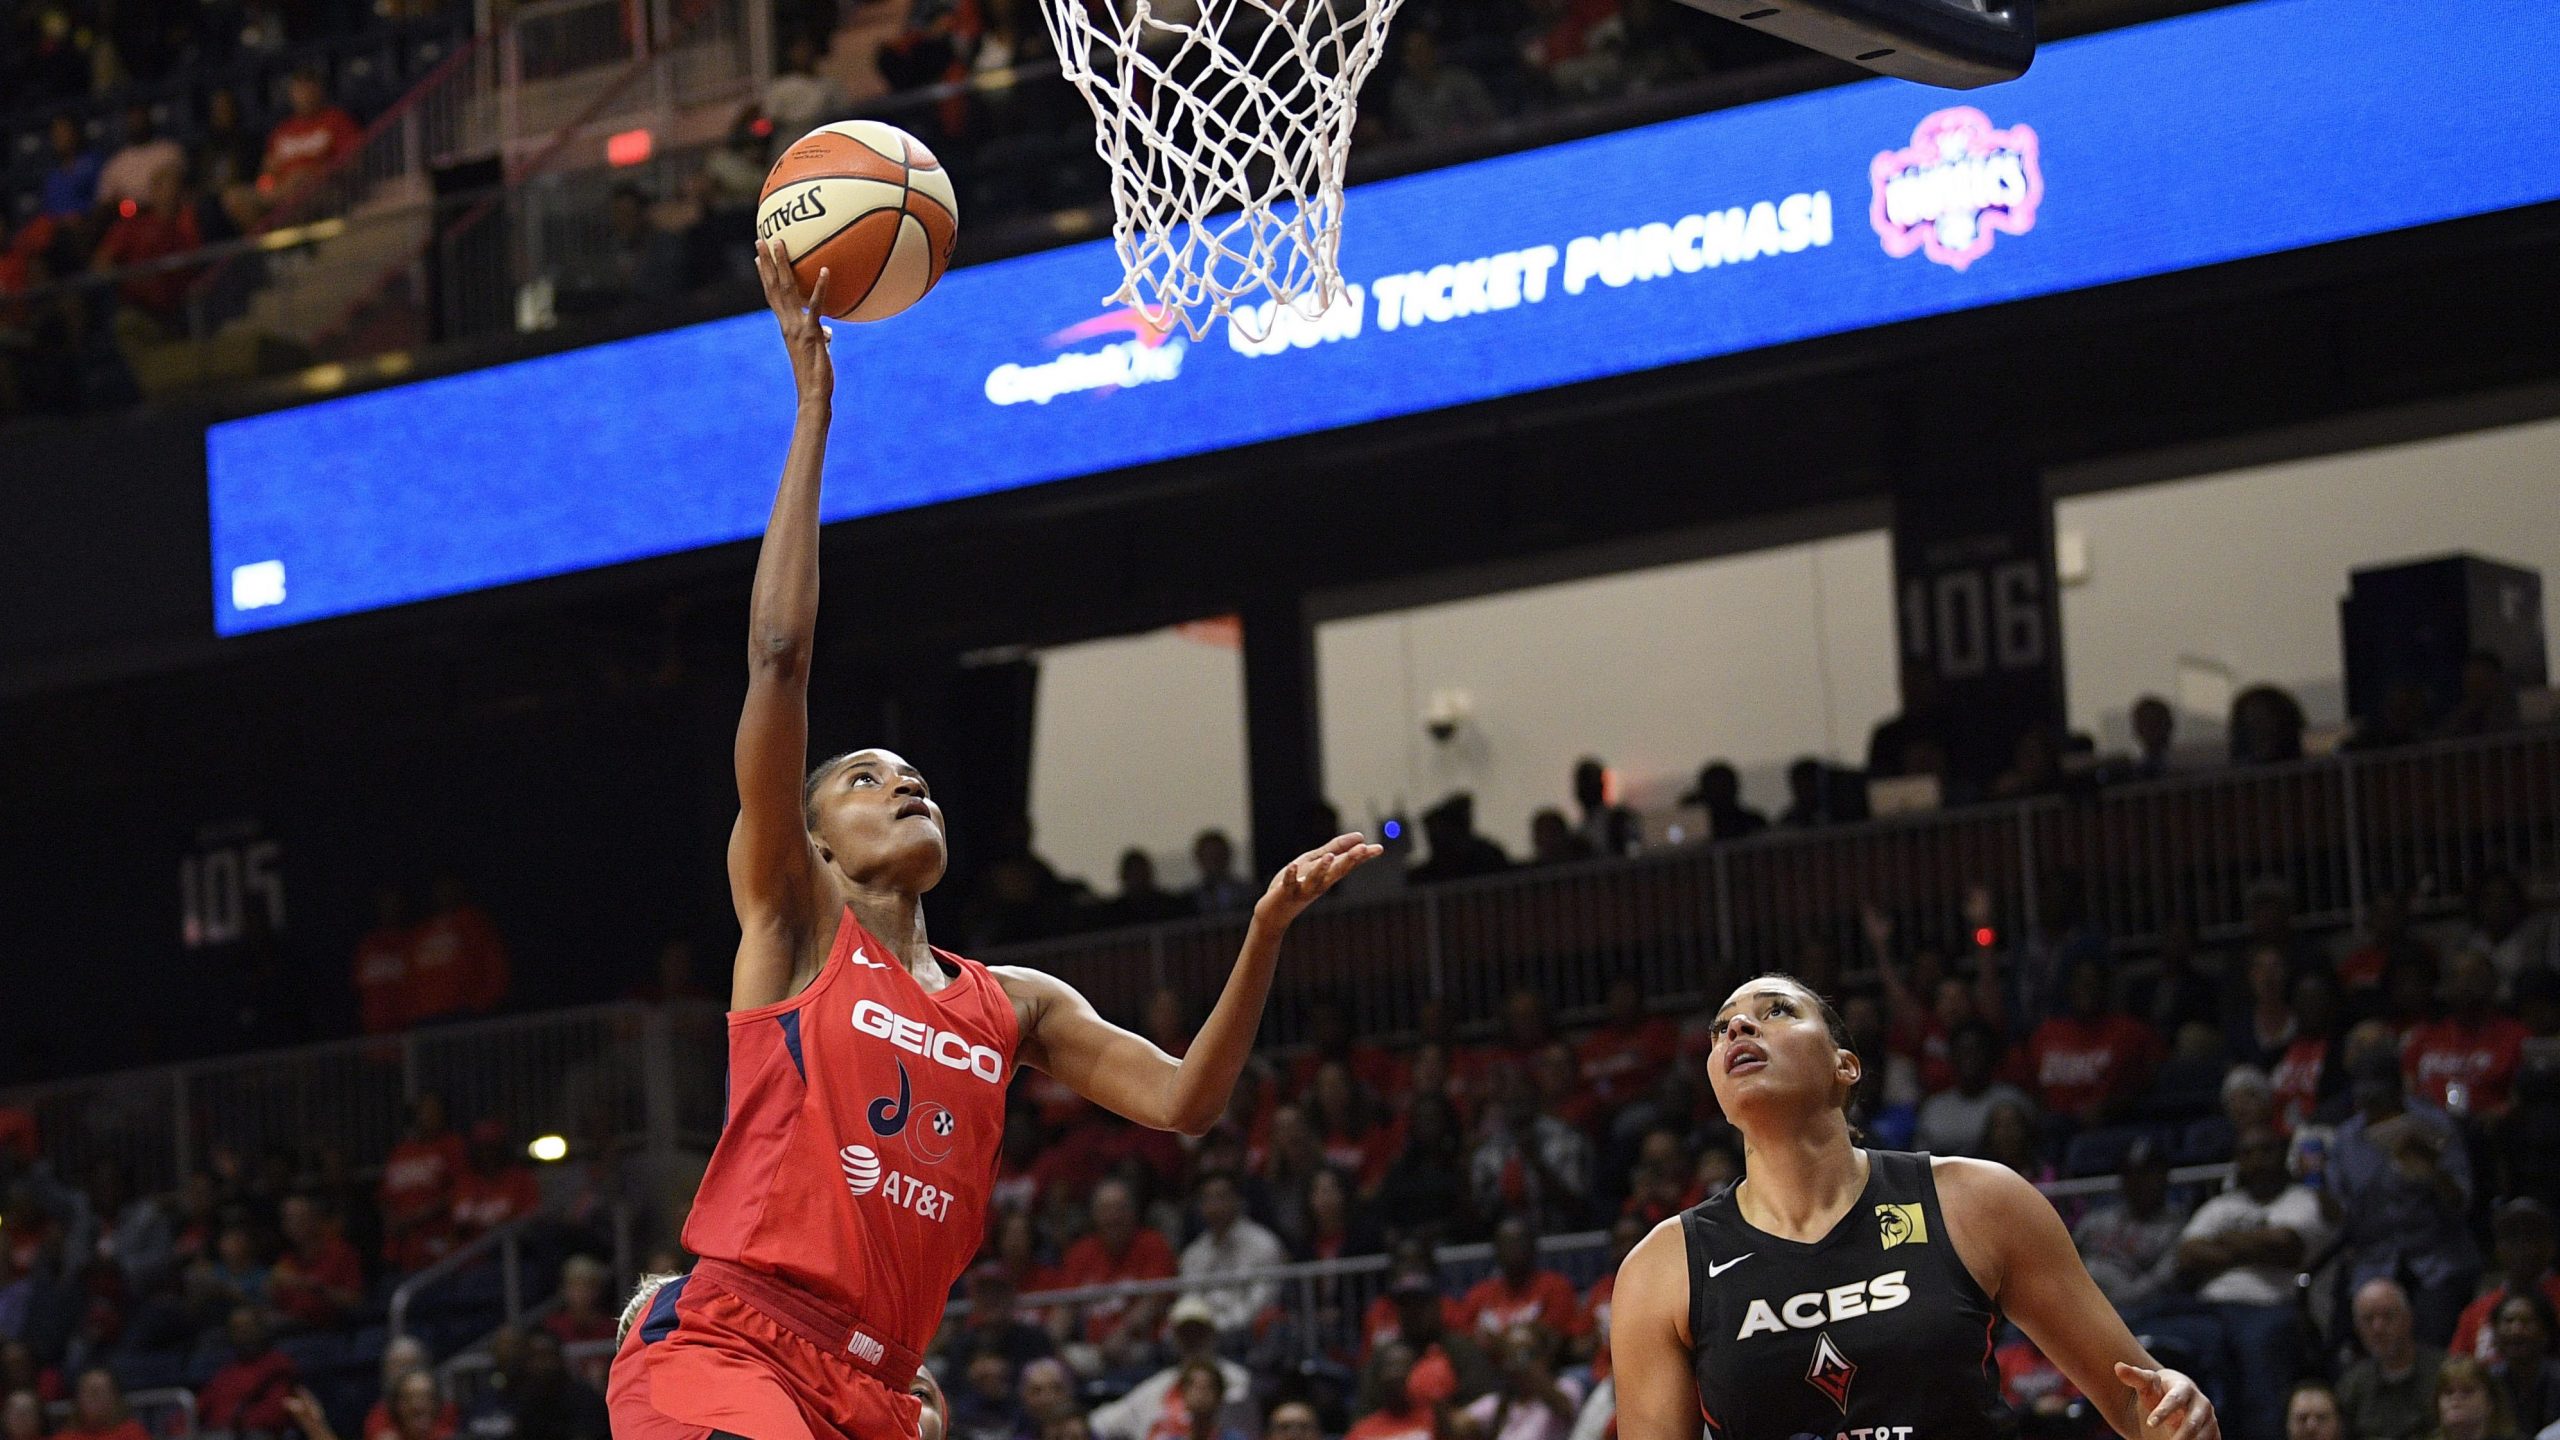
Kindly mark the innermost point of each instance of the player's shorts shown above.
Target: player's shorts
(702, 1361)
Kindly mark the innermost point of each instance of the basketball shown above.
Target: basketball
(869, 204)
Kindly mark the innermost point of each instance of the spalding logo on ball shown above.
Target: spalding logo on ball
(869, 204)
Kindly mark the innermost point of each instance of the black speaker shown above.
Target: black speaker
(2416, 622)
(1957, 44)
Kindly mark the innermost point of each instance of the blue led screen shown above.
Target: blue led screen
(2233, 133)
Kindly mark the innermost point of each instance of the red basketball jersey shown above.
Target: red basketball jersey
(860, 1148)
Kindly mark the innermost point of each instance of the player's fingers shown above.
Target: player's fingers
(818, 293)
(2135, 1375)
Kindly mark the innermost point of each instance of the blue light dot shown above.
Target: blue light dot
(1394, 829)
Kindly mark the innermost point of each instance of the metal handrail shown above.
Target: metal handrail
(504, 1240)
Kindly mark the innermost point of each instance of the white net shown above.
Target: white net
(1226, 124)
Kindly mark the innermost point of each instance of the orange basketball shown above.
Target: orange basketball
(869, 204)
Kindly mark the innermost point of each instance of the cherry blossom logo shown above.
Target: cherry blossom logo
(1958, 183)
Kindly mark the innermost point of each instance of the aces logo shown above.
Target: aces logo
(1957, 183)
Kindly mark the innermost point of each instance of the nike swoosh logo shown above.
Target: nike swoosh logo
(1714, 1270)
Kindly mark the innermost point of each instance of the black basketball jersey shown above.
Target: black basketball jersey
(1876, 1331)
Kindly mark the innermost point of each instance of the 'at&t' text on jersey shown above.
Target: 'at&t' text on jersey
(1876, 1331)
(859, 1152)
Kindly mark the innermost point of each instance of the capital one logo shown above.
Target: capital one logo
(1959, 182)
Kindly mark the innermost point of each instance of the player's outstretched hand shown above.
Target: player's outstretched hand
(803, 318)
(1302, 880)
(2172, 1407)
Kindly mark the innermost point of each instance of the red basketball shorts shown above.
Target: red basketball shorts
(701, 1360)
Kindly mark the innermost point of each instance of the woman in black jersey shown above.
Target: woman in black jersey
(1840, 1293)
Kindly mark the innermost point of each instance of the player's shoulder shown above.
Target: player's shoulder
(1982, 1187)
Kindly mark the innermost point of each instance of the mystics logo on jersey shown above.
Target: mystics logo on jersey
(1958, 182)
(1831, 1371)
(1151, 355)
(928, 1127)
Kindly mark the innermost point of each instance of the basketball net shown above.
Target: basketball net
(1226, 124)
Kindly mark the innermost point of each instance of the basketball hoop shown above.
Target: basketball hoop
(1227, 124)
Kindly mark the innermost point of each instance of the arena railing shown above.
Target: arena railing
(648, 1079)
(2186, 850)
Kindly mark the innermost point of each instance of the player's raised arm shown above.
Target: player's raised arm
(1126, 1073)
(1649, 1343)
(772, 868)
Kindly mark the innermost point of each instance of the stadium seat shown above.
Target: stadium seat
(2205, 1142)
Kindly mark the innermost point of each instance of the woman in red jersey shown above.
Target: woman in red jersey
(1841, 1291)
(867, 1069)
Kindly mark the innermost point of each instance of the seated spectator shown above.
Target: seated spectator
(225, 160)
(2248, 1101)
(250, 1390)
(69, 192)
(2525, 1246)
(1390, 1408)
(134, 1231)
(2009, 1138)
(2155, 726)
(1556, 1076)
(2093, 1060)
(985, 1405)
(21, 1370)
(2243, 1253)
(1533, 1403)
(2182, 994)
(1433, 99)
(1621, 1055)
(1117, 1249)
(1140, 901)
(2130, 1244)
(2311, 1413)
(1552, 840)
(1719, 793)
(460, 963)
(1293, 1420)
(1151, 1401)
(582, 1318)
(1457, 851)
(158, 228)
(2524, 1366)
(1952, 1121)
(412, 1407)
(97, 1410)
(1427, 1185)
(1048, 1395)
(1336, 1223)
(1330, 1037)
(1447, 1357)
(1808, 796)
(22, 1417)
(2402, 1178)
(1887, 1100)
(1529, 1163)
(1219, 891)
(2035, 766)
(1521, 1292)
(2505, 927)
(383, 965)
(2385, 940)
(144, 156)
(419, 1180)
(1202, 1393)
(541, 1400)
(497, 1189)
(994, 1322)
(2470, 1404)
(2465, 1063)
(2310, 1077)
(637, 261)
(2266, 726)
(2262, 1027)
(1609, 826)
(401, 1359)
(1231, 1244)
(318, 1281)
(307, 142)
(1357, 1137)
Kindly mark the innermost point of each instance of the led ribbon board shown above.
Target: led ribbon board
(2233, 133)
